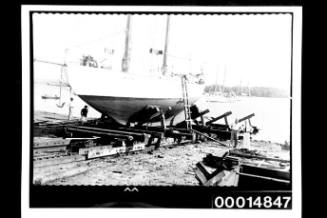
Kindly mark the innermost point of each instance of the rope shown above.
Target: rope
(200, 133)
(49, 62)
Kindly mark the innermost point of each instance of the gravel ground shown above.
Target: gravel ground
(163, 167)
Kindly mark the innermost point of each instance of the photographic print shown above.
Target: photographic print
(131, 100)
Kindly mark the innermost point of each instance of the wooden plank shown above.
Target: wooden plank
(85, 151)
(92, 138)
(219, 117)
(51, 173)
(211, 177)
(246, 117)
(238, 154)
(200, 176)
(149, 148)
(177, 134)
(49, 142)
(216, 177)
(201, 173)
(42, 155)
(153, 133)
(201, 114)
(112, 131)
(49, 149)
(138, 147)
(59, 160)
(231, 178)
(97, 133)
(101, 151)
(266, 178)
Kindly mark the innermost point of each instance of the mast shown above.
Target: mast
(249, 90)
(164, 63)
(126, 57)
(224, 80)
(216, 84)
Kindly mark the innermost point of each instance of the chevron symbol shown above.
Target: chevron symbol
(127, 189)
(135, 189)
(131, 190)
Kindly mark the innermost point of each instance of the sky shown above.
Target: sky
(251, 50)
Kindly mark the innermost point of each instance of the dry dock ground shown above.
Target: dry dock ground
(166, 166)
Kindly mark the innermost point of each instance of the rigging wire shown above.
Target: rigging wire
(49, 62)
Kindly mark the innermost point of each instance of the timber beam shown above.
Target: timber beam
(219, 117)
(99, 133)
(246, 117)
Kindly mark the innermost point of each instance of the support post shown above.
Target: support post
(226, 122)
(163, 124)
(172, 121)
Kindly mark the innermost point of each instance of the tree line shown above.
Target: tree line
(256, 91)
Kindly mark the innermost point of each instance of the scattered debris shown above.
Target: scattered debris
(116, 171)
(76, 149)
(212, 170)
(254, 154)
(231, 171)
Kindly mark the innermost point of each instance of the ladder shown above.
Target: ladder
(187, 110)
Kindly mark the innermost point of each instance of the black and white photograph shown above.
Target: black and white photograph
(166, 98)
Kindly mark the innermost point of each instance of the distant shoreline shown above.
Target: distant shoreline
(240, 91)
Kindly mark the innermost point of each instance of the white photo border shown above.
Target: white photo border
(81, 213)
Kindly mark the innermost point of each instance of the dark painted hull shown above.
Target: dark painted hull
(125, 109)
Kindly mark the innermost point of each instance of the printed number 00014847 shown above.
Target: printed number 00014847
(279, 202)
